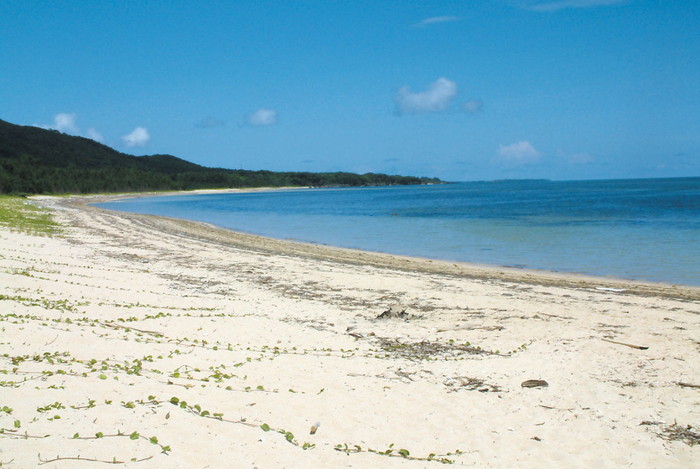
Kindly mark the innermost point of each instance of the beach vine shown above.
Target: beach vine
(392, 452)
(20, 214)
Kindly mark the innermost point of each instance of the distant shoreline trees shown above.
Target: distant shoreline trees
(40, 161)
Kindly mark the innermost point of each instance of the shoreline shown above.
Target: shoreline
(213, 233)
(130, 338)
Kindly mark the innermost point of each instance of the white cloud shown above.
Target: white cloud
(436, 98)
(262, 117)
(436, 20)
(95, 135)
(521, 152)
(550, 5)
(139, 137)
(473, 105)
(65, 122)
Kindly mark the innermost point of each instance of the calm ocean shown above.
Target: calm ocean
(645, 229)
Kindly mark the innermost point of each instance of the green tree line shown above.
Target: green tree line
(40, 161)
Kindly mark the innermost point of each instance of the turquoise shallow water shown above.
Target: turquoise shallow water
(638, 229)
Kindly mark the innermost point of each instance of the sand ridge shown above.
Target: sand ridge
(184, 345)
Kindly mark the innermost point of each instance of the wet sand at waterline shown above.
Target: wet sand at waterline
(167, 343)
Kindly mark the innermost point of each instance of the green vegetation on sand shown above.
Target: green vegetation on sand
(20, 214)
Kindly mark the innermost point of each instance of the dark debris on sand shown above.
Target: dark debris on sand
(687, 434)
(427, 350)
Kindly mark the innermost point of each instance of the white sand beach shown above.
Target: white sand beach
(151, 342)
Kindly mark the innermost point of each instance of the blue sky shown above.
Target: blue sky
(461, 90)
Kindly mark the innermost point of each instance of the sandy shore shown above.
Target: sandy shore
(163, 343)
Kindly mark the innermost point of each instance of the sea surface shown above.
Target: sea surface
(644, 229)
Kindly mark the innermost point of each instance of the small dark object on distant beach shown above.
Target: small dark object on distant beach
(534, 383)
(393, 312)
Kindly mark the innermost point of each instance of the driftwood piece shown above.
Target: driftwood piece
(638, 347)
(534, 383)
(688, 385)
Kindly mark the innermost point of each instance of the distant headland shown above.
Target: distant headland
(40, 161)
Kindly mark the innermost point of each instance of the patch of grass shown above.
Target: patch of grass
(19, 214)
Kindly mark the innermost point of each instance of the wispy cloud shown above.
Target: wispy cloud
(473, 106)
(138, 137)
(95, 135)
(63, 122)
(436, 98)
(436, 20)
(66, 122)
(262, 117)
(521, 152)
(209, 122)
(553, 5)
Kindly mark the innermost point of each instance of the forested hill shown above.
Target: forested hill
(40, 161)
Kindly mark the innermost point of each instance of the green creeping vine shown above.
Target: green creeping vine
(80, 458)
(400, 453)
(197, 410)
(165, 449)
(289, 436)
